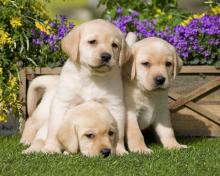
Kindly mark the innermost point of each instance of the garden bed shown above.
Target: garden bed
(194, 98)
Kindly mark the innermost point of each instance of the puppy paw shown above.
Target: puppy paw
(121, 150)
(25, 141)
(66, 153)
(29, 150)
(176, 147)
(141, 150)
(51, 150)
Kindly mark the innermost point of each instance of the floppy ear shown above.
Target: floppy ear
(124, 53)
(70, 44)
(178, 63)
(67, 136)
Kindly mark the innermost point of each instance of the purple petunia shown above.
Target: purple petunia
(200, 38)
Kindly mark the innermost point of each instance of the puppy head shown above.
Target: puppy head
(98, 45)
(93, 130)
(155, 63)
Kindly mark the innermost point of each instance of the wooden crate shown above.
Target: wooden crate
(194, 99)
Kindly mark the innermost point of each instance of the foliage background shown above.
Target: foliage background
(28, 38)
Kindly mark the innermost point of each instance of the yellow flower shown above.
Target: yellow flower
(170, 17)
(3, 117)
(42, 27)
(4, 37)
(198, 15)
(12, 81)
(4, 2)
(15, 22)
(187, 21)
(216, 10)
(1, 70)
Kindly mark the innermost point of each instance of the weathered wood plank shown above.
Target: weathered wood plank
(198, 109)
(200, 69)
(44, 70)
(196, 93)
(22, 90)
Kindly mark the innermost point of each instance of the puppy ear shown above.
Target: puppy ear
(67, 136)
(70, 44)
(124, 54)
(133, 68)
(178, 63)
(131, 38)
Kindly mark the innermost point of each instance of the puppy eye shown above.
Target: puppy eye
(114, 45)
(110, 133)
(146, 64)
(92, 42)
(168, 64)
(90, 136)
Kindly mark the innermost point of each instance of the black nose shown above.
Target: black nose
(105, 57)
(159, 80)
(105, 152)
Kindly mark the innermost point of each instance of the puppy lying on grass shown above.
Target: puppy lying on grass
(88, 128)
(153, 65)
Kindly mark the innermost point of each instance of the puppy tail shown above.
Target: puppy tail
(131, 38)
(36, 89)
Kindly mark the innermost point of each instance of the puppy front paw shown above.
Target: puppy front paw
(141, 149)
(176, 147)
(25, 141)
(120, 150)
(51, 149)
(30, 150)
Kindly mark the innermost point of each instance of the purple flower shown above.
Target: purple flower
(119, 10)
(207, 53)
(58, 31)
(62, 19)
(52, 24)
(191, 41)
(134, 13)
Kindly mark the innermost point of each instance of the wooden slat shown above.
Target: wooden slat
(196, 93)
(199, 69)
(185, 69)
(51, 71)
(194, 107)
(33, 71)
(44, 71)
(22, 90)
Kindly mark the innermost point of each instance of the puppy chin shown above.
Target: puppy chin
(100, 69)
(153, 87)
(158, 88)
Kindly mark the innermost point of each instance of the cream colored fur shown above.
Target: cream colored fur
(87, 128)
(147, 102)
(85, 77)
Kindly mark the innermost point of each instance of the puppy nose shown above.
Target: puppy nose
(105, 57)
(160, 80)
(105, 152)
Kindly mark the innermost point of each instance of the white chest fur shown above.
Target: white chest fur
(149, 106)
(106, 87)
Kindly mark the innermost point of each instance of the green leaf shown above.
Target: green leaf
(217, 64)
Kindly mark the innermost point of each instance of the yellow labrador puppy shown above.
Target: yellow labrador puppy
(96, 50)
(88, 128)
(146, 81)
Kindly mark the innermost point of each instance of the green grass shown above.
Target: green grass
(201, 158)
